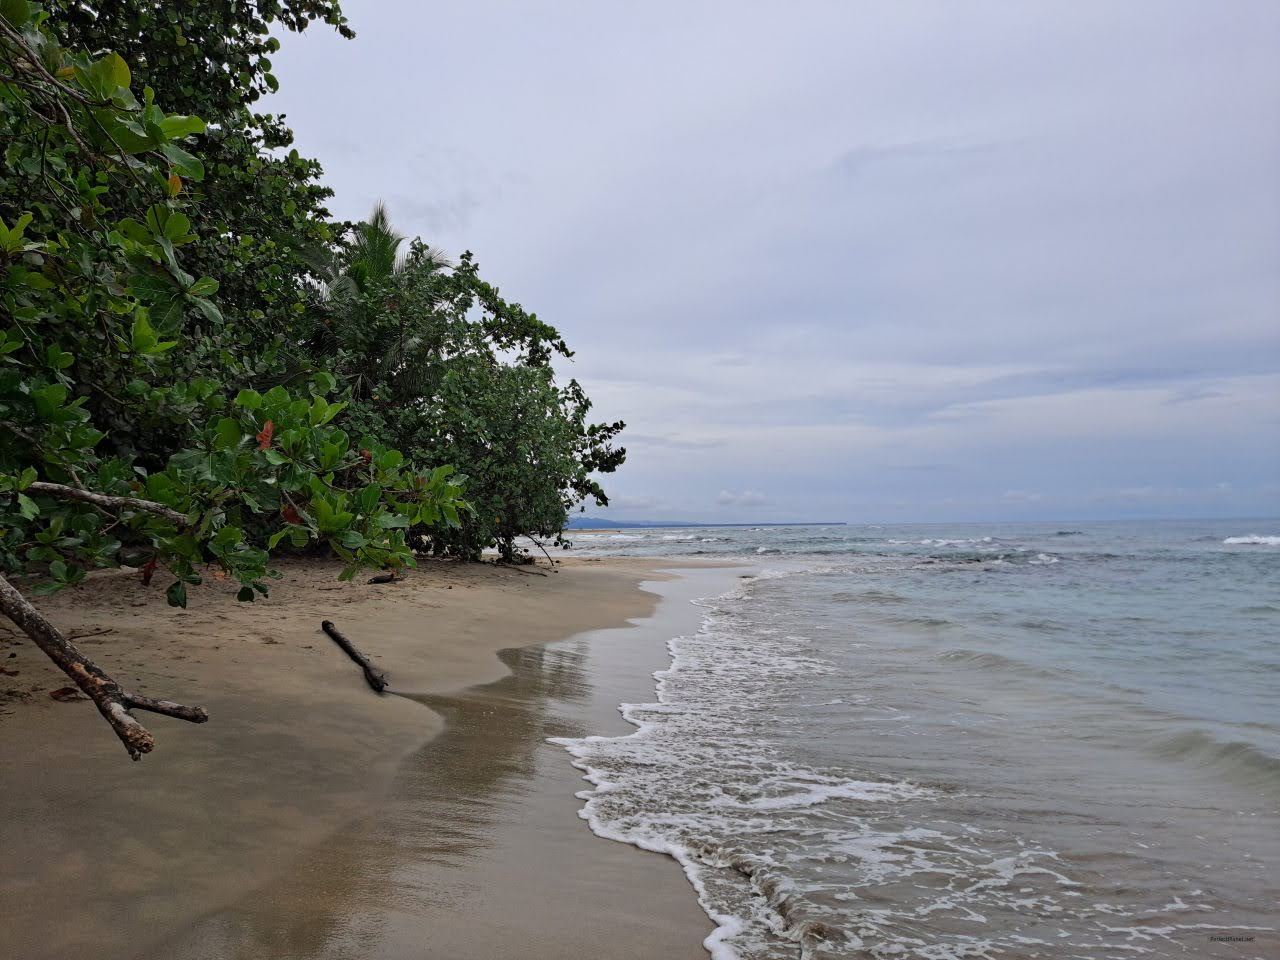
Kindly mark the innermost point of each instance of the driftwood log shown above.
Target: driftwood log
(377, 679)
(111, 699)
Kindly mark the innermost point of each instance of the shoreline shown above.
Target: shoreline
(297, 751)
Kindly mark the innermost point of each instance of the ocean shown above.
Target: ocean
(965, 741)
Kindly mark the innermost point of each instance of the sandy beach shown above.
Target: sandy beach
(312, 817)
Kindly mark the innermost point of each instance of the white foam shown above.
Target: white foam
(1254, 539)
(803, 794)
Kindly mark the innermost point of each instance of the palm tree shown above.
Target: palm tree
(370, 264)
(373, 256)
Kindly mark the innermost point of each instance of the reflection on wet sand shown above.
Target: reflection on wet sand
(479, 835)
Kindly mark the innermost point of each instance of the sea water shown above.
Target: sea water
(965, 741)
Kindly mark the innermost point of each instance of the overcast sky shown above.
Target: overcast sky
(854, 260)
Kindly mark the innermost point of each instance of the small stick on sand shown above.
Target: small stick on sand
(377, 679)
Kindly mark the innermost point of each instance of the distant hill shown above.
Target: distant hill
(596, 523)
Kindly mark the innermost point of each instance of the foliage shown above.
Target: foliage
(256, 214)
(445, 368)
(104, 332)
(188, 345)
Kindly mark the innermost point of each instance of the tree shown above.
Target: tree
(256, 210)
(125, 440)
(442, 366)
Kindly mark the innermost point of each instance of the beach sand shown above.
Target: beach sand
(311, 817)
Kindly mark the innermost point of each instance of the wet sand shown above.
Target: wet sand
(311, 817)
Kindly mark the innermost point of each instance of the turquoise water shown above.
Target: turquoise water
(938, 741)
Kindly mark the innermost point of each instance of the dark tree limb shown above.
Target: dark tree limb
(107, 502)
(111, 699)
(520, 568)
(377, 679)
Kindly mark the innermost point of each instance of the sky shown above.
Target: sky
(864, 261)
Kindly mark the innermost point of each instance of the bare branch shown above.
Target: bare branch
(112, 700)
(109, 502)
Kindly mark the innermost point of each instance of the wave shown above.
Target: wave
(920, 621)
(1232, 759)
(985, 659)
(942, 541)
(1254, 539)
(867, 596)
(696, 781)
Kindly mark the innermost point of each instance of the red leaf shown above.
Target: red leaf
(65, 694)
(147, 571)
(291, 514)
(366, 456)
(264, 437)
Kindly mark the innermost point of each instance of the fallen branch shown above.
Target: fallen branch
(377, 679)
(107, 502)
(540, 546)
(520, 568)
(78, 635)
(112, 700)
(384, 578)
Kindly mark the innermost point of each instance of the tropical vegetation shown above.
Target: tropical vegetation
(200, 369)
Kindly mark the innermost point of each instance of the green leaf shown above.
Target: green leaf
(28, 507)
(369, 498)
(17, 12)
(144, 335)
(176, 126)
(183, 162)
(352, 539)
(27, 478)
(57, 358)
(177, 227)
(58, 570)
(177, 594)
(249, 399)
(208, 308)
(203, 287)
(246, 595)
(450, 515)
(114, 70)
(228, 434)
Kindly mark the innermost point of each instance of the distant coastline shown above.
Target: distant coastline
(596, 523)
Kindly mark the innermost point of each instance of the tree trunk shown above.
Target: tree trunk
(112, 700)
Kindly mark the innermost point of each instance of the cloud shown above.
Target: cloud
(675, 442)
(914, 239)
(1022, 496)
(623, 502)
(747, 498)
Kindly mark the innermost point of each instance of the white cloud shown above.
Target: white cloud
(747, 498)
(914, 239)
(623, 502)
(1022, 496)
